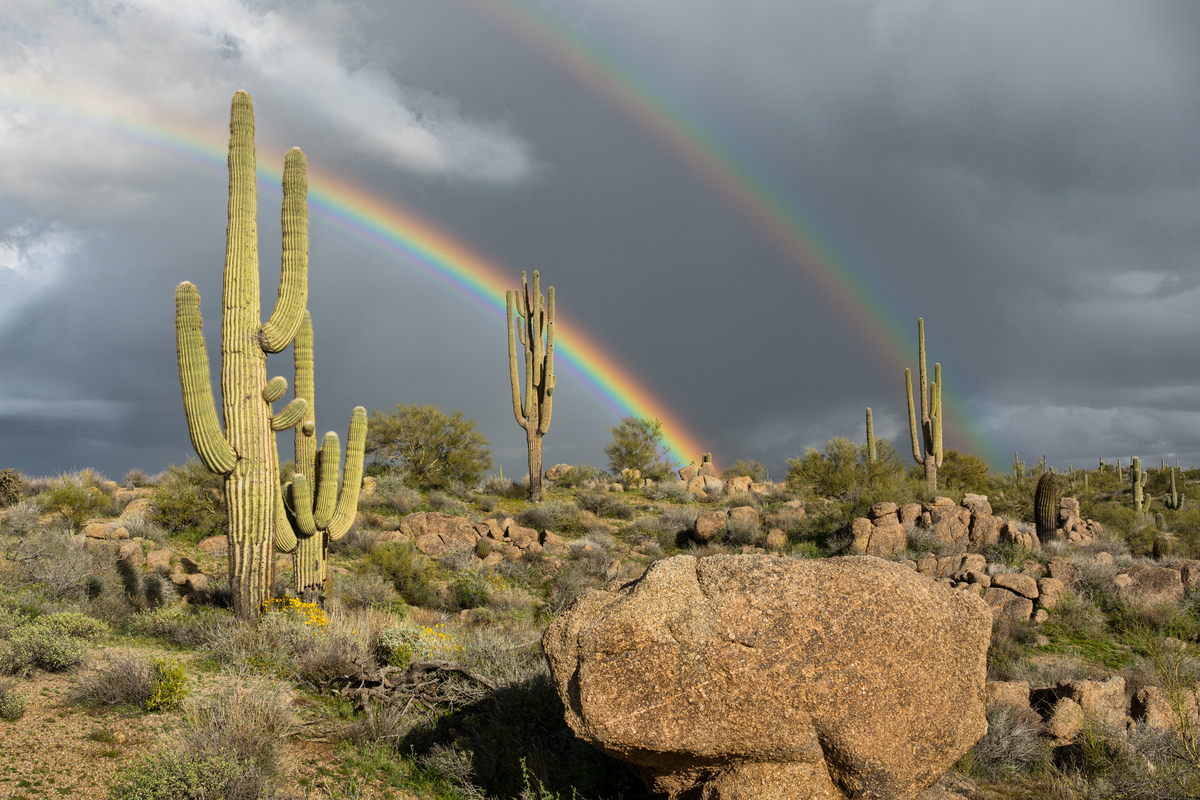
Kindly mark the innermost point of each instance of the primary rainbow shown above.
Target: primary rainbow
(395, 230)
(805, 242)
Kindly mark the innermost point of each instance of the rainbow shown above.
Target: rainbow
(800, 238)
(388, 226)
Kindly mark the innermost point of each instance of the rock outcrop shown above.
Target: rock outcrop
(771, 678)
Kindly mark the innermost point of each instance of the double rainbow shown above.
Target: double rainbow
(388, 226)
(806, 243)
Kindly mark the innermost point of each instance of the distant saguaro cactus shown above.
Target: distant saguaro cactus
(535, 332)
(1045, 506)
(312, 512)
(931, 414)
(1138, 479)
(1174, 500)
(245, 453)
(870, 439)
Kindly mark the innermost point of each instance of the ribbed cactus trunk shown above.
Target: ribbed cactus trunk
(870, 439)
(245, 454)
(315, 513)
(535, 333)
(931, 414)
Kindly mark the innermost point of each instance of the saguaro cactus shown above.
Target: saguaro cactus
(245, 453)
(870, 439)
(1174, 500)
(1138, 480)
(312, 512)
(1045, 506)
(931, 414)
(535, 333)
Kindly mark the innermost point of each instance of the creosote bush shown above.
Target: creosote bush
(12, 702)
(190, 498)
(411, 573)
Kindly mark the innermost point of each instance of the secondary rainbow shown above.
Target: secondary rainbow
(390, 227)
(801, 238)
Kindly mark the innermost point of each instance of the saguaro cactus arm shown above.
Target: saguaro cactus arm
(198, 405)
(912, 417)
(347, 506)
(547, 367)
(514, 333)
(281, 328)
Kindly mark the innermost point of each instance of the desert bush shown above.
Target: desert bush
(1010, 641)
(135, 478)
(922, 541)
(61, 566)
(1012, 745)
(679, 521)
(469, 589)
(190, 498)
(750, 469)
(36, 646)
(573, 579)
(604, 505)
(580, 475)
(742, 532)
(230, 750)
(124, 678)
(672, 491)
(536, 517)
(637, 443)
(962, 472)
(12, 702)
(189, 626)
(11, 483)
(366, 590)
(409, 571)
(76, 496)
(168, 686)
(435, 449)
(446, 504)
(496, 485)
(20, 519)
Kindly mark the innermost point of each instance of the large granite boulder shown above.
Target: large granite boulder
(436, 534)
(770, 678)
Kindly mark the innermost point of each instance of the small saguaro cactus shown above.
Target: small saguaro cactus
(1045, 506)
(535, 333)
(245, 452)
(312, 512)
(1163, 545)
(931, 414)
(870, 439)
(1174, 500)
(1138, 481)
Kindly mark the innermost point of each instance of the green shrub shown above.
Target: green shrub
(21, 519)
(190, 498)
(468, 590)
(398, 644)
(76, 496)
(12, 702)
(408, 570)
(580, 475)
(75, 625)
(436, 450)
(536, 517)
(171, 775)
(668, 489)
(750, 469)
(637, 443)
(168, 686)
(35, 646)
(136, 478)
(367, 590)
(122, 679)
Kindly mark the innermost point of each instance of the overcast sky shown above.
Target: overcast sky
(1025, 176)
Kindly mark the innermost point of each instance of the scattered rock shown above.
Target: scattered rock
(214, 545)
(159, 560)
(1150, 584)
(708, 525)
(557, 471)
(436, 534)
(1017, 583)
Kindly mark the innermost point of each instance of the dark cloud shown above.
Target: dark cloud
(1024, 176)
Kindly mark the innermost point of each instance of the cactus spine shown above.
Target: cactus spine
(245, 453)
(1174, 500)
(931, 414)
(870, 439)
(1045, 506)
(1138, 478)
(535, 332)
(310, 518)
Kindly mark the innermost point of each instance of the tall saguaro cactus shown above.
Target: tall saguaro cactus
(1138, 482)
(245, 452)
(931, 414)
(535, 332)
(1174, 500)
(312, 512)
(870, 439)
